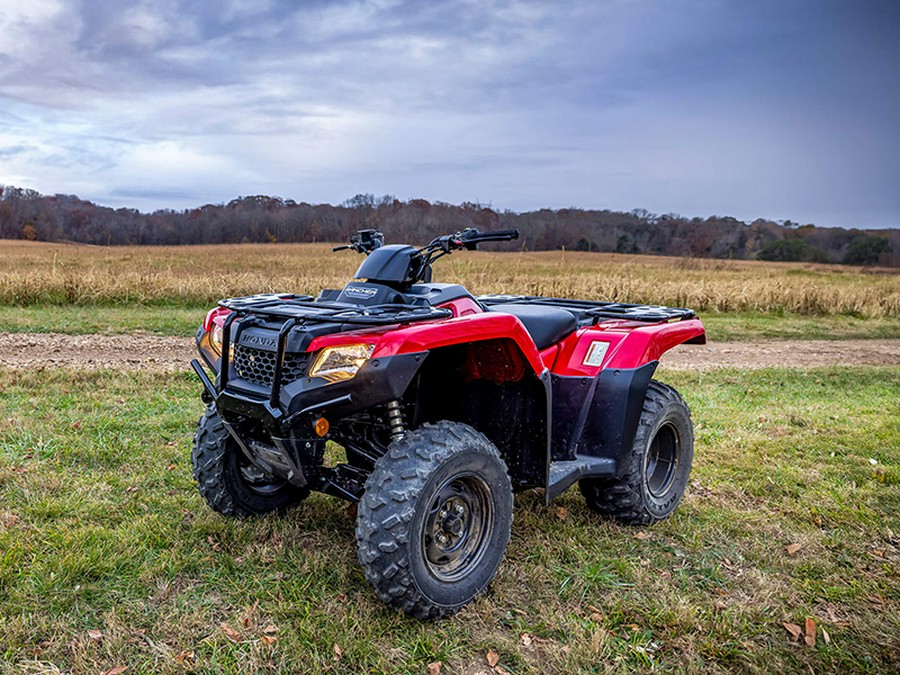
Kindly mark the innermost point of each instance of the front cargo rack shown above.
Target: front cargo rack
(304, 308)
(589, 312)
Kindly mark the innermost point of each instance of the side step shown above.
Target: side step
(563, 474)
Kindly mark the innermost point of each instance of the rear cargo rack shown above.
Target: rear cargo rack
(589, 312)
(304, 308)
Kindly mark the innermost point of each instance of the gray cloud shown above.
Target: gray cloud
(783, 110)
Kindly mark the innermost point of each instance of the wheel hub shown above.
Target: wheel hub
(663, 457)
(456, 527)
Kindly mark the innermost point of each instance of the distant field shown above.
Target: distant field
(37, 274)
(108, 556)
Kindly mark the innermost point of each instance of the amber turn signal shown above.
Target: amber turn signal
(322, 426)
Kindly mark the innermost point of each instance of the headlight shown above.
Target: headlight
(340, 363)
(215, 339)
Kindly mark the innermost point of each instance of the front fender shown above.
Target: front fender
(422, 337)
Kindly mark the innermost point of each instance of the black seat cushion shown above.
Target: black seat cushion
(545, 325)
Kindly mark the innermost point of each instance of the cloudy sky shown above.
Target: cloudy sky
(784, 110)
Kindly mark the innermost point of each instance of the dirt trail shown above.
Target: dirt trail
(156, 353)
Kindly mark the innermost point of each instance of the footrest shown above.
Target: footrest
(563, 474)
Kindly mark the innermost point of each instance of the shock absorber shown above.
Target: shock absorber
(395, 420)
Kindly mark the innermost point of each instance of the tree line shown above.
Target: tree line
(27, 214)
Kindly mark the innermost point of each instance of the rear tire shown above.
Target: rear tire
(228, 481)
(434, 522)
(656, 467)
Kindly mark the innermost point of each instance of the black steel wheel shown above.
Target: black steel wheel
(434, 522)
(457, 526)
(228, 481)
(656, 468)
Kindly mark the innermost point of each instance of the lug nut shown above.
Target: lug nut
(459, 508)
(442, 514)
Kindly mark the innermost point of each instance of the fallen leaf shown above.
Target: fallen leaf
(214, 544)
(95, 634)
(230, 632)
(171, 467)
(338, 652)
(268, 639)
(341, 597)
(434, 668)
(791, 549)
(794, 630)
(493, 658)
(115, 671)
(810, 632)
(76, 424)
(826, 637)
(133, 488)
(596, 617)
(525, 640)
(561, 512)
(642, 535)
(500, 670)
(270, 629)
(185, 657)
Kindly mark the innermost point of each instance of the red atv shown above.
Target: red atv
(444, 405)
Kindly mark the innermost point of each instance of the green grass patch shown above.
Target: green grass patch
(107, 319)
(183, 320)
(101, 529)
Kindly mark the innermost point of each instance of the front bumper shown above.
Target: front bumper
(296, 404)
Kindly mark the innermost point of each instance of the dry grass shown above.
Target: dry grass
(56, 274)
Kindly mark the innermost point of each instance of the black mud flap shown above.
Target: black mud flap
(594, 422)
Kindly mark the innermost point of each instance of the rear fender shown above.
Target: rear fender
(623, 345)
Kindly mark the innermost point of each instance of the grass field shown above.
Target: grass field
(51, 274)
(108, 556)
(79, 289)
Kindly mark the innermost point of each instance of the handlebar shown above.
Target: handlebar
(498, 235)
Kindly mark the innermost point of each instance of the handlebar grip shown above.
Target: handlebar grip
(499, 235)
(340, 248)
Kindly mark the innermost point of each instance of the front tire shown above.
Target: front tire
(435, 518)
(656, 467)
(228, 481)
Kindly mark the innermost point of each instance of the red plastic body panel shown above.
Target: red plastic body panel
(216, 316)
(463, 307)
(548, 356)
(434, 334)
(631, 344)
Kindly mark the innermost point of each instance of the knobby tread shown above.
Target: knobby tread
(385, 513)
(623, 498)
(212, 443)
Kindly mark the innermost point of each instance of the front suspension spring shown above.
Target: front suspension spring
(395, 420)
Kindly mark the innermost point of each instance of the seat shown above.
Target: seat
(546, 325)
